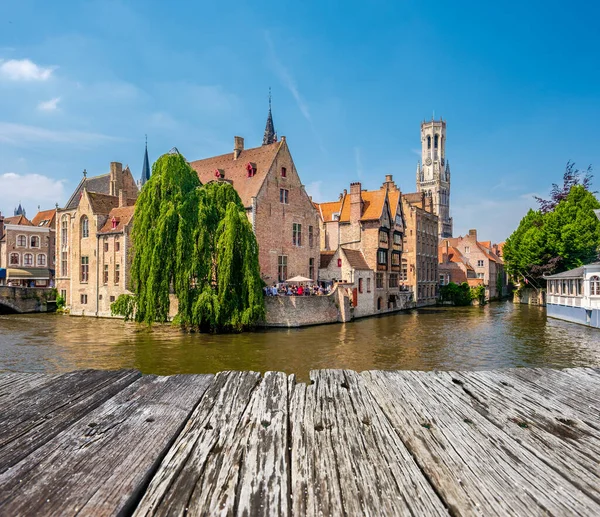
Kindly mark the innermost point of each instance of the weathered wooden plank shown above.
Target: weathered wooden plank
(42, 412)
(476, 467)
(101, 464)
(549, 430)
(346, 457)
(15, 385)
(232, 456)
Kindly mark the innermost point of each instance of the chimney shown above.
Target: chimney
(122, 199)
(1, 226)
(116, 178)
(238, 146)
(473, 233)
(355, 202)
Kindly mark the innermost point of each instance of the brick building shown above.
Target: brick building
(362, 241)
(93, 232)
(420, 259)
(27, 249)
(465, 259)
(285, 222)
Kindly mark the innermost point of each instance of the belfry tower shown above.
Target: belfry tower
(433, 172)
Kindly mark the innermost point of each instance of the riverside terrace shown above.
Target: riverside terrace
(506, 442)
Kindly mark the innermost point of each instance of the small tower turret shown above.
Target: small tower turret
(145, 167)
(270, 134)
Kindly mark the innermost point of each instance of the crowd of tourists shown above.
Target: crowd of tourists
(284, 289)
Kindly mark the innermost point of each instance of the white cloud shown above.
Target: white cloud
(20, 135)
(24, 70)
(51, 105)
(30, 190)
(314, 190)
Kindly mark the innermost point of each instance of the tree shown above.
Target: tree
(194, 242)
(571, 178)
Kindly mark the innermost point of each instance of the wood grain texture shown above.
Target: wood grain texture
(15, 385)
(102, 463)
(48, 408)
(475, 466)
(346, 457)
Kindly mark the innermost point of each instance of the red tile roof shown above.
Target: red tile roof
(326, 210)
(356, 259)
(372, 205)
(44, 218)
(122, 215)
(18, 219)
(236, 171)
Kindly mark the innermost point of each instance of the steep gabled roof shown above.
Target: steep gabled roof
(356, 259)
(236, 171)
(122, 215)
(326, 257)
(44, 218)
(18, 219)
(373, 202)
(326, 210)
(102, 203)
(491, 256)
(99, 184)
(394, 198)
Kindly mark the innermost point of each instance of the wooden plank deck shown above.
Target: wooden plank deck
(506, 442)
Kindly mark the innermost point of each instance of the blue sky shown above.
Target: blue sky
(518, 83)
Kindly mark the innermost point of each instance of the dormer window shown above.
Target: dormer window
(219, 173)
(251, 168)
(114, 223)
(283, 172)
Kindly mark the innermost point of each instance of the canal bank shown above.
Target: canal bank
(498, 335)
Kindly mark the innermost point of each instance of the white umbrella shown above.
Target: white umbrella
(299, 279)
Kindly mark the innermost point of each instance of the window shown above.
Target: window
(595, 286)
(41, 259)
(580, 287)
(339, 262)
(63, 294)
(442, 279)
(34, 241)
(383, 237)
(382, 257)
(85, 227)
(251, 168)
(368, 285)
(282, 268)
(117, 246)
(428, 142)
(284, 196)
(436, 139)
(64, 234)
(393, 280)
(21, 241)
(467, 249)
(480, 263)
(112, 298)
(397, 240)
(14, 259)
(360, 285)
(63, 264)
(105, 245)
(117, 273)
(297, 234)
(311, 268)
(105, 274)
(283, 172)
(379, 280)
(85, 268)
(480, 275)
(83, 299)
(310, 237)
(378, 304)
(28, 259)
(395, 259)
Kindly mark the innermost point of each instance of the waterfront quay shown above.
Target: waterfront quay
(502, 442)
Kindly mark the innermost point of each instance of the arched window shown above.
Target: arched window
(21, 241)
(41, 259)
(595, 285)
(436, 140)
(64, 224)
(14, 259)
(428, 142)
(85, 227)
(28, 259)
(34, 241)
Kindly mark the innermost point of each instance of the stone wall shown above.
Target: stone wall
(530, 296)
(299, 311)
(22, 299)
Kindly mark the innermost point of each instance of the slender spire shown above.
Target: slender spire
(145, 166)
(270, 135)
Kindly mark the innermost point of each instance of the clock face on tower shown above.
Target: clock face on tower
(428, 161)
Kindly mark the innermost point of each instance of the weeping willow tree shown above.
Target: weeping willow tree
(194, 242)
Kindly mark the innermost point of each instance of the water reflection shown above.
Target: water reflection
(495, 336)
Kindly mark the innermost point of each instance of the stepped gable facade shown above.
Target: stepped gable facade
(93, 241)
(283, 217)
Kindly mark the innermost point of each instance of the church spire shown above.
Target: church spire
(145, 167)
(270, 135)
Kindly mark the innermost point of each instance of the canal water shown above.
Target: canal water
(499, 335)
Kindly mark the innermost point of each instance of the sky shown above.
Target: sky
(82, 83)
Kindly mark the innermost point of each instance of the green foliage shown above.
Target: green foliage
(60, 303)
(455, 293)
(124, 305)
(478, 293)
(558, 240)
(194, 242)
